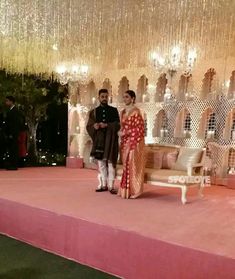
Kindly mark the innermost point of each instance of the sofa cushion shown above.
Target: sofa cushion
(169, 159)
(162, 175)
(187, 156)
(154, 159)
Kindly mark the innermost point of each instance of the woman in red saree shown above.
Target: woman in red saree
(132, 148)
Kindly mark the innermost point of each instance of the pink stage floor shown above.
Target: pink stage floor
(154, 236)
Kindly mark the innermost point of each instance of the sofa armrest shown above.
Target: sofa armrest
(191, 168)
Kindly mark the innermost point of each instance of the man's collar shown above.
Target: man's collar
(12, 107)
(102, 106)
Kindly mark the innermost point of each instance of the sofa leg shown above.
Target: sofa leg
(183, 194)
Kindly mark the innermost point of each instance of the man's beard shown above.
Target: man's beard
(104, 103)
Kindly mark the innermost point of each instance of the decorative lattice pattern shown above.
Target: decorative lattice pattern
(187, 122)
(231, 158)
(215, 124)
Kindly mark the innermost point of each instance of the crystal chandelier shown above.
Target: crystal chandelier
(177, 60)
(72, 73)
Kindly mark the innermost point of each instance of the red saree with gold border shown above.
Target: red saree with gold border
(132, 154)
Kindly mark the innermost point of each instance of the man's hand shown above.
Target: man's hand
(96, 126)
(103, 125)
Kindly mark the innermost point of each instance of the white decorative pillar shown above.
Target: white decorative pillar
(151, 92)
(73, 159)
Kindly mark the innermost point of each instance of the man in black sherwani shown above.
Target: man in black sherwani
(103, 125)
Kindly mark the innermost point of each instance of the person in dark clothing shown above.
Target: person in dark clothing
(12, 133)
(2, 139)
(22, 141)
(103, 126)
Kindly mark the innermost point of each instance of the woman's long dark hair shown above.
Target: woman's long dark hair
(131, 93)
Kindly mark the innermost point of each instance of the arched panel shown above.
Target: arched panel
(185, 85)
(208, 83)
(160, 125)
(231, 89)
(142, 86)
(161, 88)
(229, 129)
(91, 92)
(183, 124)
(122, 88)
(207, 124)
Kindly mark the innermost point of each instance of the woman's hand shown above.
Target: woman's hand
(123, 133)
(120, 133)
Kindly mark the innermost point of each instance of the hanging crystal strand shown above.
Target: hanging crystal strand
(37, 35)
(227, 53)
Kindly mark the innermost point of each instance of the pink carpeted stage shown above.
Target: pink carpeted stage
(154, 236)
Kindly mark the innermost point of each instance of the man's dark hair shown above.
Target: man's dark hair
(11, 98)
(103, 90)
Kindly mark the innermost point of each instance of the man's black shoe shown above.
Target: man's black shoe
(103, 189)
(113, 191)
(99, 190)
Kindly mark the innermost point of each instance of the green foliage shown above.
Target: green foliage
(33, 94)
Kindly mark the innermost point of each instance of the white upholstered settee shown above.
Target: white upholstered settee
(174, 166)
